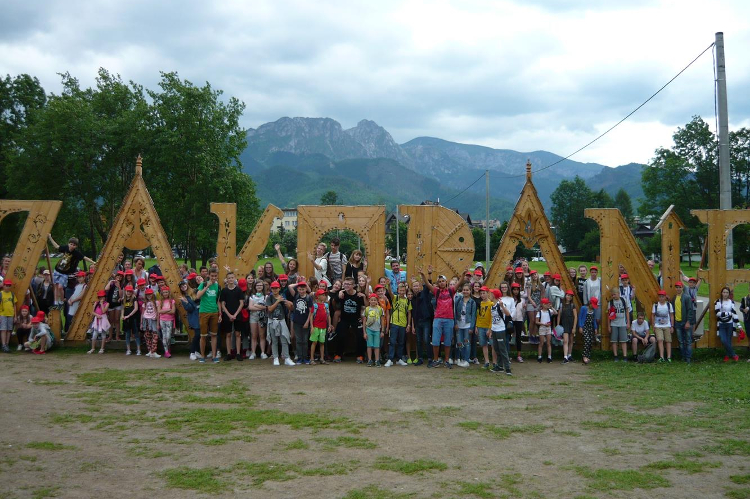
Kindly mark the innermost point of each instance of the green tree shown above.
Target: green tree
(329, 198)
(496, 237)
(622, 202)
(390, 240)
(480, 238)
(590, 245)
(569, 201)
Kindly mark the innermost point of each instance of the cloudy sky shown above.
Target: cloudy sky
(522, 75)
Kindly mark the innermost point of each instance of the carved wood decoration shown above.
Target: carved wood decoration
(529, 225)
(226, 243)
(136, 227)
(439, 237)
(618, 246)
(31, 243)
(368, 222)
(720, 222)
(670, 225)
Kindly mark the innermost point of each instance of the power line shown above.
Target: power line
(466, 189)
(619, 122)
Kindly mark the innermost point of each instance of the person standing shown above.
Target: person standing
(619, 324)
(662, 317)
(684, 321)
(336, 261)
(395, 275)
(727, 322)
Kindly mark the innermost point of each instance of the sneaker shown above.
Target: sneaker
(669, 359)
(389, 363)
(401, 362)
(436, 364)
(369, 363)
(228, 357)
(155, 355)
(306, 362)
(736, 358)
(217, 359)
(418, 362)
(289, 362)
(539, 359)
(624, 359)
(337, 359)
(148, 354)
(217, 356)
(519, 359)
(240, 358)
(549, 360)
(617, 359)
(20, 347)
(192, 356)
(276, 361)
(476, 361)
(127, 352)
(497, 369)
(5, 348)
(252, 356)
(508, 373)
(449, 365)
(450, 361)
(263, 356)
(101, 351)
(486, 365)
(378, 364)
(409, 361)
(167, 354)
(726, 358)
(202, 360)
(565, 360)
(299, 362)
(661, 359)
(138, 353)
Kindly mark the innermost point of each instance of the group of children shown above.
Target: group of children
(296, 322)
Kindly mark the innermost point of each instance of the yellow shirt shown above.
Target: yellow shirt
(7, 304)
(678, 308)
(484, 315)
(401, 307)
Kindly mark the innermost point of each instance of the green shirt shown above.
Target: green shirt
(210, 299)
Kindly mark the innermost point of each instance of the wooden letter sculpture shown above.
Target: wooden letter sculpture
(226, 243)
(439, 237)
(136, 227)
(670, 225)
(31, 243)
(618, 246)
(368, 222)
(529, 226)
(720, 222)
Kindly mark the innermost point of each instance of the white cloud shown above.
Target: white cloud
(520, 75)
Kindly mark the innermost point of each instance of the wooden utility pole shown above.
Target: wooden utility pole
(725, 179)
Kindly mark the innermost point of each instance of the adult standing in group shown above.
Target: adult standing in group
(422, 316)
(320, 262)
(336, 261)
(45, 292)
(139, 268)
(395, 275)
(66, 266)
(592, 288)
(684, 320)
(727, 322)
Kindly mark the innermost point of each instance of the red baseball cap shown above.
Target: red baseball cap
(192, 275)
(547, 273)
(101, 293)
(323, 282)
(152, 276)
(662, 292)
(519, 270)
(373, 295)
(678, 283)
(569, 292)
(545, 300)
(128, 288)
(379, 286)
(497, 293)
(120, 272)
(165, 288)
(533, 272)
(36, 320)
(320, 292)
(24, 307)
(275, 284)
(129, 272)
(556, 276)
(7, 282)
(509, 268)
(81, 273)
(149, 291)
(283, 277)
(594, 267)
(40, 314)
(301, 283)
(484, 288)
(141, 282)
(594, 302)
(159, 277)
(477, 272)
(515, 285)
(624, 276)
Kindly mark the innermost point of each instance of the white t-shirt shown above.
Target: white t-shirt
(321, 274)
(544, 316)
(77, 293)
(498, 320)
(661, 314)
(640, 329)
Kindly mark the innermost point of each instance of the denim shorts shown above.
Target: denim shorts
(482, 332)
(58, 278)
(442, 328)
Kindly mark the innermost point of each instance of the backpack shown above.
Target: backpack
(154, 269)
(648, 354)
(329, 269)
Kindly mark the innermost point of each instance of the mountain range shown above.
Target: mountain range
(295, 160)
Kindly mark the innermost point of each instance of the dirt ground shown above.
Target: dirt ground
(80, 425)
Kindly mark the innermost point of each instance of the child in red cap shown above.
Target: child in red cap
(7, 313)
(100, 325)
(23, 326)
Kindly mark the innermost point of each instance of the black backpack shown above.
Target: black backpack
(329, 269)
(648, 355)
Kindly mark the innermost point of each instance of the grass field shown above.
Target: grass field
(169, 428)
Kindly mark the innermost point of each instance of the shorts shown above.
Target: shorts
(442, 328)
(98, 334)
(318, 334)
(373, 338)
(663, 334)
(482, 332)
(209, 322)
(58, 278)
(6, 323)
(226, 325)
(544, 331)
(254, 317)
(618, 334)
(149, 325)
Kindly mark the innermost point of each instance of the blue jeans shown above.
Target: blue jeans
(725, 333)
(442, 328)
(462, 343)
(472, 344)
(424, 336)
(396, 342)
(685, 337)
